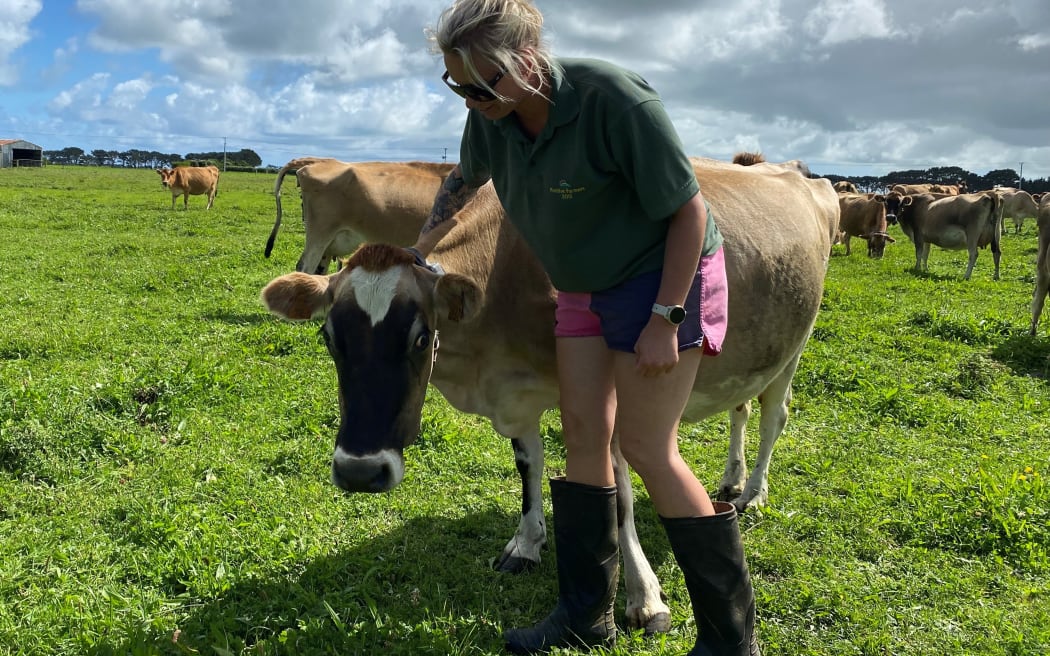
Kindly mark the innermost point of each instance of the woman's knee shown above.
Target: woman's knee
(646, 456)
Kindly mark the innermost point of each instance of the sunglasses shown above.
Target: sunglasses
(473, 91)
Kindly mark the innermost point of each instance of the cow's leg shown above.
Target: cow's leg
(735, 474)
(313, 259)
(846, 241)
(996, 256)
(969, 264)
(1042, 287)
(523, 550)
(646, 603)
(775, 399)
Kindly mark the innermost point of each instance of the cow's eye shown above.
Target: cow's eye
(423, 341)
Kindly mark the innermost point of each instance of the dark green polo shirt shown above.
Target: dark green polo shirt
(593, 192)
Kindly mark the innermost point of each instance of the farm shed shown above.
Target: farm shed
(15, 152)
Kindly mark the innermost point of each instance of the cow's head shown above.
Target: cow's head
(877, 243)
(892, 201)
(165, 176)
(381, 313)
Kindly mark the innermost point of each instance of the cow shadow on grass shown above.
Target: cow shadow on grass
(1026, 355)
(238, 318)
(935, 277)
(426, 587)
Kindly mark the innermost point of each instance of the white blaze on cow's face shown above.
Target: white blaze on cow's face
(374, 291)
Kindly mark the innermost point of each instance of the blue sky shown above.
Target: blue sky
(854, 87)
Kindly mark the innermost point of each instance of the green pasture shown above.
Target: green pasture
(165, 444)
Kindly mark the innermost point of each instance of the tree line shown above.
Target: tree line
(248, 159)
(946, 175)
(133, 158)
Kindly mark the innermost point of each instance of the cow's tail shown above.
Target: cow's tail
(291, 166)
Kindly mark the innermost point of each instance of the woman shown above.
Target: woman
(592, 173)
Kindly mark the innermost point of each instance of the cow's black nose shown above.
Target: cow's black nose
(362, 475)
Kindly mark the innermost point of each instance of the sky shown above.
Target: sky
(851, 87)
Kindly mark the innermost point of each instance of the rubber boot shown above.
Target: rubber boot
(587, 545)
(711, 554)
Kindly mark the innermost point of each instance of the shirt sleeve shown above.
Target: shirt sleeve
(648, 150)
(473, 151)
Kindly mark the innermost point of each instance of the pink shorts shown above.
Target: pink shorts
(620, 313)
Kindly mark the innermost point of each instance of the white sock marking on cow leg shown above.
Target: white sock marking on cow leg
(644, 597)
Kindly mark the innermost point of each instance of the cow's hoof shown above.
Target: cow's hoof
(659, 623)
(729, 493)
(514, 564)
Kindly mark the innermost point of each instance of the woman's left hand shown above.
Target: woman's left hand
(656, 351)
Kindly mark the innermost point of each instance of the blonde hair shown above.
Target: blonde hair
(507, 33)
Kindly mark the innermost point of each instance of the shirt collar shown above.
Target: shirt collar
(565, 106)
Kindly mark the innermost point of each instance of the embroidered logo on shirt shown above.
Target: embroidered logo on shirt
(566, 190)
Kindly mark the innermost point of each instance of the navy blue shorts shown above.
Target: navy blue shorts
(620, 313)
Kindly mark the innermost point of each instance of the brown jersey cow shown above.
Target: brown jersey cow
(345, 204)
(190, 180)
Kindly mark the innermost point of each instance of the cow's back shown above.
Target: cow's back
(951, 218)
(194, 180)
(777, 227)
(341, 195)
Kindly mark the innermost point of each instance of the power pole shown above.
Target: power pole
(1020, 176)
(444, 156)
(224, 154)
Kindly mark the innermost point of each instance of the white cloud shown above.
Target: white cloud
(15, 16)
(1034, 41)
(838, 21)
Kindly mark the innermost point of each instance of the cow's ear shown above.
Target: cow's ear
(456, 297)
(298, 296)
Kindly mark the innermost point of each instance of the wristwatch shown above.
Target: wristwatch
(675, 314)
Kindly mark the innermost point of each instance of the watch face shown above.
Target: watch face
(676, 314)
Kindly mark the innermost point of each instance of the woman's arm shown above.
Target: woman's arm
(657, 346)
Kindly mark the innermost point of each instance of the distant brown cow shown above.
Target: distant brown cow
(845, 186)
(969, 221)
(1042, 261)
(860, 216)
(346, 203)
(1018, 205)
(911, 189)
(186, 180)
(929, 188)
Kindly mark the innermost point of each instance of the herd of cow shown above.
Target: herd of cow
(933, 215)
(948, 217)
(494, 306)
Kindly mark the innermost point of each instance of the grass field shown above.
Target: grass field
(165, 444)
